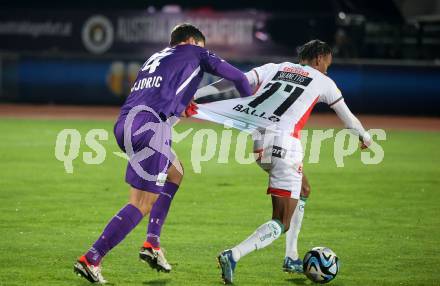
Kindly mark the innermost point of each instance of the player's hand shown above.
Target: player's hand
(190, 110)
(363, 146)
(365, 141)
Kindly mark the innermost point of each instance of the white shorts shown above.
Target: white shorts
(283, 162)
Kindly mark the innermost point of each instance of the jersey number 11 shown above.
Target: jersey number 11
(274, 87)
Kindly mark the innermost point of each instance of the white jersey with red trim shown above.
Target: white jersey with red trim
(284, 98)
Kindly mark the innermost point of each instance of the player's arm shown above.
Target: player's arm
(255, 77)
(231, 73)
(334, 99)
(223, 85)
(216, 66)
(351, 122)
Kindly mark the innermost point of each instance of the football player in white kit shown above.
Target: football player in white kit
(284, 97)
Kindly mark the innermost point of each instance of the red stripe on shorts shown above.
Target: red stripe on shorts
(278, 192)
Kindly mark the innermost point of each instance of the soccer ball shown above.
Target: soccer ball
(321, 265)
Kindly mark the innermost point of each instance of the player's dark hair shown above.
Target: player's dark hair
(313, 49)
(182, 32)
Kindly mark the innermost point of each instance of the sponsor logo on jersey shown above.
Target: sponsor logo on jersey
(252, 111)
(293, 78)
(296, 70)
(278, 152)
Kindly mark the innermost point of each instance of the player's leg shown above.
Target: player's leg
(161, 208)
(151, 251)
(264, 235)
(284, 186)
(139, 205)
(146, 179)
(282, 210)
(292, 262)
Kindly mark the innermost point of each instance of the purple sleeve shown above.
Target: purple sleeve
(215, 65)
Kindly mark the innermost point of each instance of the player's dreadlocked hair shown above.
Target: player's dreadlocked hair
(183, 32)
(313, 49)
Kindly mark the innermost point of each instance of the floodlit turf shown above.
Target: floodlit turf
(382, 220)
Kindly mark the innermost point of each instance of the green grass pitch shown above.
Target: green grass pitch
(383, 220)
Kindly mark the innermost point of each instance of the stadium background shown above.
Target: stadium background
(71, 64)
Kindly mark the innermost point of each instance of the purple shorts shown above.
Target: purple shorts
(149, 151)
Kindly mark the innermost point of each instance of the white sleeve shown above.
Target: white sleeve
(252, 77)
(350, 121)
(331, 94)
(223, 85)
(214, 88)
(262, 72)
(255, 77)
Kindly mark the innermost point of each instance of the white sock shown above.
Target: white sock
(262, 237)
(293, 232)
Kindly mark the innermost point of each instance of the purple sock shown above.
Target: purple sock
(115, 231)
(159, 213)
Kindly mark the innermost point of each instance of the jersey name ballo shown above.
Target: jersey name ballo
(284, 98)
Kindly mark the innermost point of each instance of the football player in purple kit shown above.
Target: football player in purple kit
(164, 87)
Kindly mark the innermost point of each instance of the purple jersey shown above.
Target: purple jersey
(166, 84)
(168, 79)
